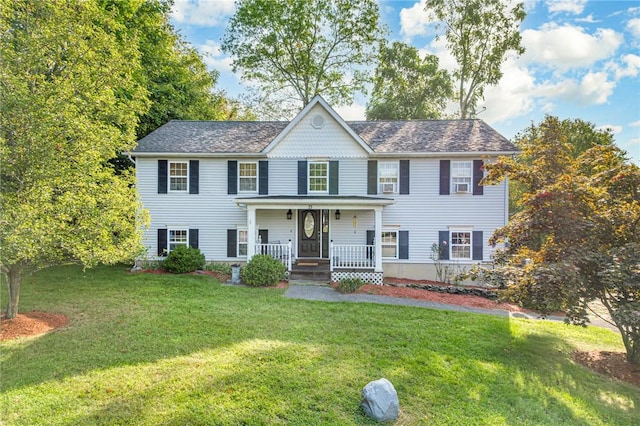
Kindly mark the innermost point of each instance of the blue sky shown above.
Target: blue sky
(582, 60)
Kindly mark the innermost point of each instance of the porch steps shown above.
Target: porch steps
(316, 270)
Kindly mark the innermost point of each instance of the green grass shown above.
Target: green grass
(162, 349)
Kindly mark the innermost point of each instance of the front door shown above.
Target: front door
(309, 233)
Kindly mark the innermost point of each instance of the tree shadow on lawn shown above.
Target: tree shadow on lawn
(268, 359)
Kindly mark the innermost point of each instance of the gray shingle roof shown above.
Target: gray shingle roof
(418, 136)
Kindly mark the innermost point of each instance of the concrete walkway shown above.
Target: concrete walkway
(328, 294)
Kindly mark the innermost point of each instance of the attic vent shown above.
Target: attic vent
(317, 121)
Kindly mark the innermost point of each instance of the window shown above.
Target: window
(387, 177)
(248, 177)
(178, 176)
(461, 172)
(177, 237)
(242, 242)
(318, 177)
(390, 244)
(460, 245)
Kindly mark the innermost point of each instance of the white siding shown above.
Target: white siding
(423, 212)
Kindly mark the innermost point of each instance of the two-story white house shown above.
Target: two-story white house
(370, 198)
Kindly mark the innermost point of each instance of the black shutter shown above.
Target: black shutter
(478, 174)
(194, 176)
(302, 177)
(443, 242)
(445, 177)
(263, 173)
(232, 242)
(477, 245)
(163, 166)
(333, 177)
(162, 242)
(404, 176)
(232, 177)
(372, 177)
(193, 238)
(403, 244)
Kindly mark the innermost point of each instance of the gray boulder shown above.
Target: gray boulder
(380, 400)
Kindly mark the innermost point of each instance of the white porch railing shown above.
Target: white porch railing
(281, 252)
(352, 256)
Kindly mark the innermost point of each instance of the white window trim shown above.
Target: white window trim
(396, 184)
(454, 185)
(169, 242)
(382, 243)
(460, 230)
(326, 191)
(240, 191)
(186, 190)
(238, 243)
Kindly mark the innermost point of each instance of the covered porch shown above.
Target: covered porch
(344, 232)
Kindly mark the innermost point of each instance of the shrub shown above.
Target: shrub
(184, 259)
(349, 285)
(262, 270)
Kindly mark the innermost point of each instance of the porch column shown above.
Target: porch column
(251, 232)
(378, 238)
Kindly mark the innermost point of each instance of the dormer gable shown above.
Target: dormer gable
(318, 131)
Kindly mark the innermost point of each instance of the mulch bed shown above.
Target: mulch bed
(31, 324)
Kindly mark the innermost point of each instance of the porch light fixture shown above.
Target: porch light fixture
(355, 222)
(289, 214)
(337, 214)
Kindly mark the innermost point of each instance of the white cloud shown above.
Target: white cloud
(569, 6)
(202, 12)
(629, 68)
(414, 21)
(353, 112)
(213, 56)
(589, 19)
(511, 97)
(594, 88)
(633, 26)
(635, 124)
(568, 46)
(614, 128)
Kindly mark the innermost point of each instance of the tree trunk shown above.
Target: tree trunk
(633, 350)
(14, 277)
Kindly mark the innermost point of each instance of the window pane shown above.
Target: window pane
(177, 238)
(248, 174)
(461, 245)
(388, 177)
(389, 244)
(248, 184)
(178, 176)
(318, 177)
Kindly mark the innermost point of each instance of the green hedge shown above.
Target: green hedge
(184, 259)
(262, 270)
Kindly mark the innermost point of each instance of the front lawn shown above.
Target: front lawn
(146, 349)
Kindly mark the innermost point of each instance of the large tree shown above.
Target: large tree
(576, 238)
(178, 83)
(69, 102)
(579, 135)
(479, 34)
(296, 49)
(406, 86)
